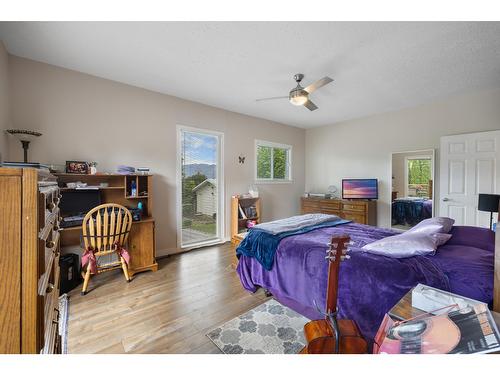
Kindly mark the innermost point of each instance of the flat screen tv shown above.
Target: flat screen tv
(360, 188)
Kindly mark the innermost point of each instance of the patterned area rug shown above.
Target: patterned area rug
(270, 328)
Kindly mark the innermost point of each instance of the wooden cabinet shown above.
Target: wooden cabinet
(141, 241)
(359, 211)
(29, 261)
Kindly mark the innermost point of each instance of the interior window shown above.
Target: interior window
(273, 161)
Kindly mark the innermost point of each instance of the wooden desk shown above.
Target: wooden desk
(141, 244)
(116, 188)
(404, 310)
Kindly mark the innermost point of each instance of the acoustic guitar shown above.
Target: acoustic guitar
(331, 335)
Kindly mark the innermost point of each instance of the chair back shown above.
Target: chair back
(106, 228)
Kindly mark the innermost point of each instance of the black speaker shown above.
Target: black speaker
(70, 272)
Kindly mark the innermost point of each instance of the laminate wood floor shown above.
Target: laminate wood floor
(168, 311)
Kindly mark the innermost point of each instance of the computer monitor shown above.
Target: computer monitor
(78, 202)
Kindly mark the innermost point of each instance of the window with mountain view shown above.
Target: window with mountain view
(273, 161)
(200, 192)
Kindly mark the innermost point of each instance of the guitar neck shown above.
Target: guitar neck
(336, 253)
(332, 287)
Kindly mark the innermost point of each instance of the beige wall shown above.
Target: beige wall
(88, 118)
(399, 167)
(362, 148)
(4, 101)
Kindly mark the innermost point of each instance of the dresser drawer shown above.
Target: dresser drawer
(310, 206)
(331, 205)
(356, 217)
(357, 207)
(48, 200)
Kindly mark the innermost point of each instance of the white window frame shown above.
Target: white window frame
(221, 230)
(289, 163)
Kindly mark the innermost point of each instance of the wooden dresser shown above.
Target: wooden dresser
(359, 211)
(29, 262)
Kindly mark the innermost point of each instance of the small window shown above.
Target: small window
(273, 162)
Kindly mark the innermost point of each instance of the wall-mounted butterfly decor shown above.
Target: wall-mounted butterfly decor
(241, 159)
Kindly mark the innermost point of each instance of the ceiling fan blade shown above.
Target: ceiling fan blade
(319, 83)
(310, 105)
(271, 98)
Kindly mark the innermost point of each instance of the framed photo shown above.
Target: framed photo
(79, 167)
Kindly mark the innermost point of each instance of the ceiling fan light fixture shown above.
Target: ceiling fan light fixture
(298, 97)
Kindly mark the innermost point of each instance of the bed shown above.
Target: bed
(407, 211)
(371, 284)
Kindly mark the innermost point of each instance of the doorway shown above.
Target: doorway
(199, 187)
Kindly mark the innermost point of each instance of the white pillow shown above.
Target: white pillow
(433, 225)
(407, 244)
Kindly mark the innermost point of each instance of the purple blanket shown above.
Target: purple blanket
(369, 284)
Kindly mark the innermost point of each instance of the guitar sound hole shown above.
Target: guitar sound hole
(409, 330)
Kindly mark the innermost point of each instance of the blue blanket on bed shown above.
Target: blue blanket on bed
(261, 244)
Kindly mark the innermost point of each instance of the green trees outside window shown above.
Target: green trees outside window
(419, 174)
(272, 163)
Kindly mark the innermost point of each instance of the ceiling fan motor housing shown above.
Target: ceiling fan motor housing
(298, 77)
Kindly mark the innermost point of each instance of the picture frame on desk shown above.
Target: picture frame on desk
(77, 167)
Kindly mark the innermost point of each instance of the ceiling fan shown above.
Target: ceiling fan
(300, 95)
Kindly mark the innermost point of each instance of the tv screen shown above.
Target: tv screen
(357, 188)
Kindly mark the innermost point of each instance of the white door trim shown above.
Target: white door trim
(221, 183)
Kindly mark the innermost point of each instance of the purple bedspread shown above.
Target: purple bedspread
(427, 209)
(369, 284)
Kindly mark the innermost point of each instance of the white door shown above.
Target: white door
(469, 165)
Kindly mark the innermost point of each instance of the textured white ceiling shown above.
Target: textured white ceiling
(377, 66)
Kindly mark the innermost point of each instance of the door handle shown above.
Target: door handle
(446, 199)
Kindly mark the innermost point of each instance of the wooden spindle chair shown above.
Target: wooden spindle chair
(105, 232)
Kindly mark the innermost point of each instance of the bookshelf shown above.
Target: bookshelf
(239, 223)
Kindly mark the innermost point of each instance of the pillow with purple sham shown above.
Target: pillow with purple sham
(407, 244)
(441, 238)
(433, 225)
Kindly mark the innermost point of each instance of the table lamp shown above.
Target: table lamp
(25, 136)
(488, 203)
